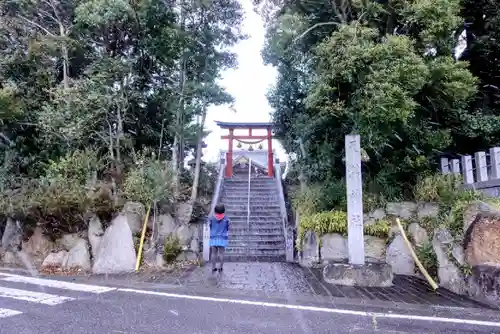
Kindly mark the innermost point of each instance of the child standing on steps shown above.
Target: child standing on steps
(219, 235)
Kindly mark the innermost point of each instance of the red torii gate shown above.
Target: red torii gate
(250, 126)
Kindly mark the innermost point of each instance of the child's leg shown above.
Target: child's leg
(222, 251)
(213, 256)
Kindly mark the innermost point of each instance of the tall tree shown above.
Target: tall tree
(385, 70)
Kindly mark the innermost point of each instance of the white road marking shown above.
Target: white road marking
(320, 309)
(33, 297)
(5, 313)
(56, 284)
(174, 312)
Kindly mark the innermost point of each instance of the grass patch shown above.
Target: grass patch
(336, 222)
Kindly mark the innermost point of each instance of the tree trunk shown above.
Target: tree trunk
(65, 57)
(302, 178)
(176, 157)
(111, 149)
(175, 170)
(199, 139)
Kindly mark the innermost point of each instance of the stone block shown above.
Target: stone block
(134, 211)
(403, 210)
(309, 256)
(419, 234)
(484, 284)
(333, 247)
(399, 257)
(425, 210)
(369, 274)
(450, 276)
(375, 248)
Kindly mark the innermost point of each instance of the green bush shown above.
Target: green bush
(438, 188)
(336, 222)
(78, 167)
(452, 198)
(321, 197)
(62, 196)
(428, 258)
(148, 180)
(171, 248)
(307, 201)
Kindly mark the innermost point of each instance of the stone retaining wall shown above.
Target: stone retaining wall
(468, 264)
(98, 249)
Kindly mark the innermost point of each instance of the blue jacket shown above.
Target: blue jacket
(219, 231)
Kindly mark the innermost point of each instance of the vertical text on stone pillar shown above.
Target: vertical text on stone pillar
(354, 200)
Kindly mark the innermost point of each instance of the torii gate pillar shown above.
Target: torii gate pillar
(249, 126)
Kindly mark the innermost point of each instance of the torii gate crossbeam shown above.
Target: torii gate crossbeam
(249, 126)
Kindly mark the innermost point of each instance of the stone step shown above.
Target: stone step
(243, 221)
(244, 185)
(257, 244)
(239, 230)
(254, 258)
(256, 238)
(269, 251)
(253, 213)
(252, 189)
(254, 221)
(256, 225)
(254, 216)
(252, 181)
(253, 207)
(228, 202)
(244, 198)
(261, 177)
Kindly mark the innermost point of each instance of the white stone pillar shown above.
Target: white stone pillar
(481, 167)
(355, 238)
(495, 162)
(467, 170)
(455, 166)
(445, 166)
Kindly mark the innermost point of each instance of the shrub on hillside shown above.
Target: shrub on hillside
(336, 222)
(61, 197)
(148, 181)
(171, 248)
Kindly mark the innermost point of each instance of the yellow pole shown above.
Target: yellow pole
(417, 261)
(143, 235)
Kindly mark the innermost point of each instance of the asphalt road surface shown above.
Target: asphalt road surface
(33, 305)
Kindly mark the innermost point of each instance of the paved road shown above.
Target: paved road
(32, 305)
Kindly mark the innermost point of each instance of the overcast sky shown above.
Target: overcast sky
(248, 84)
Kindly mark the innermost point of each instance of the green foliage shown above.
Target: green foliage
(148, 181)
(77, 166)
(336, 222)
(438, 188)
(389, 76)
(61, 197)
(171, 248)
(320, 197)
(453, 200)
(428, 258)
(154, 69)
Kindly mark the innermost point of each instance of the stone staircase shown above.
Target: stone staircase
(262, 240)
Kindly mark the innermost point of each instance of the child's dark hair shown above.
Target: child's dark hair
(219, 209)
